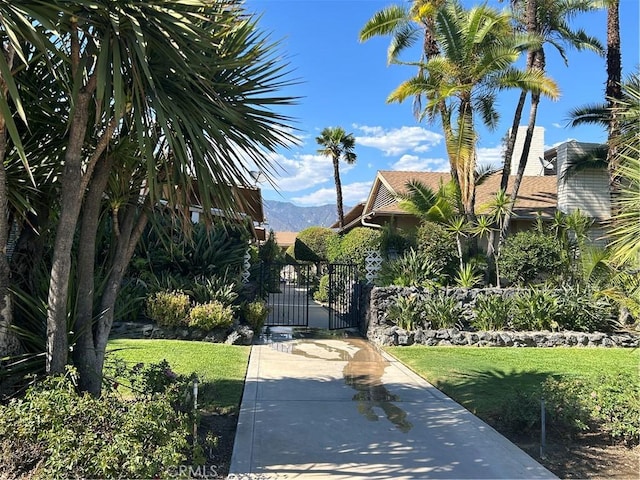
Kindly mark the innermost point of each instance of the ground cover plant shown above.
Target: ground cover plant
(592, 395)
(220, 368)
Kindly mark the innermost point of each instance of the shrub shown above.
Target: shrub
(442, 311)
(610, 403)
(530, 257)
(168, 309)
(206, 250)
(316, 240)
(354, 247)
(568, 410)
(405, 312)
(580, 309)
(131, 301)
(434, 242)
(54, 432)
(256, 314)
(467, 276)
(270, 251)
(394, 241)
(208, 316)
(615, 403)
(411, 270)
(491, 312)
(519, 412)
(322, 294)
(535, 309)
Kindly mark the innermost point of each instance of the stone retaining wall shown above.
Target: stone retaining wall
(380, 332)
(236, 335)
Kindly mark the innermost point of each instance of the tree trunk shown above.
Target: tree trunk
(511, 142)
(7, 340)
(84, 355)
(336, 176)
(133, 226)
(535, 60)
(70, 204)
(613, 89)
(466, 158)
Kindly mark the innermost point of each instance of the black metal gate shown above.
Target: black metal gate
(344, 296)
(287, 291)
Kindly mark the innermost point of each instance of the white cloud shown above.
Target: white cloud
(557, 125)
(323, 196)
(492, 156)
(302, 171)
(356, 192)
(398, 140)
(414, 163)
(351, 194)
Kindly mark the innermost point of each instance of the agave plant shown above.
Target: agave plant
(467, 276)
(410, 270)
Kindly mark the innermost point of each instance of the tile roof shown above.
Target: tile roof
(350, 216)
(285, 239)
(536, 194)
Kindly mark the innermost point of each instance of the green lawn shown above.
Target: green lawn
(478, 377)
(220, 368)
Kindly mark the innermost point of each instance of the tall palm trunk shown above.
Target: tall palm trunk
(5, 299)
(511, 141)
(539, 63)
(535, 61)
(336, 177)
(6, 316)
(613, 89)
(466, 161)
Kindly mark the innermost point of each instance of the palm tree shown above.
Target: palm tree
(549, 20)
(478, 50)
(429, 205)
(406, 26)
(337, 144)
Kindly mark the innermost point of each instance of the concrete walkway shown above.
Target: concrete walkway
(337, 408)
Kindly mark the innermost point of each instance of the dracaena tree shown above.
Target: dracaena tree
(155, 95)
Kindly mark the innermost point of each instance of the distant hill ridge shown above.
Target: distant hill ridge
(287, 217)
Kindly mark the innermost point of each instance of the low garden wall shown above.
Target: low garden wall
(382, 332)
(239, 335)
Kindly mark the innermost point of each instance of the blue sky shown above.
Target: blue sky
(343, 82)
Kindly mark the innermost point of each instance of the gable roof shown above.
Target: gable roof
(351, 218)
(536, 194)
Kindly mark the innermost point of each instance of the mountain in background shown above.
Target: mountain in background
(287, 217)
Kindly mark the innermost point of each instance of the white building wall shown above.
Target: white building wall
(534, 166)
(587, 190)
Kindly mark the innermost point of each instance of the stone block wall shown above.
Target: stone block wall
(381, 332)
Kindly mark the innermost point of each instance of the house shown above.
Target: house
(545, 189)
(247, 206)
(538, 195)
